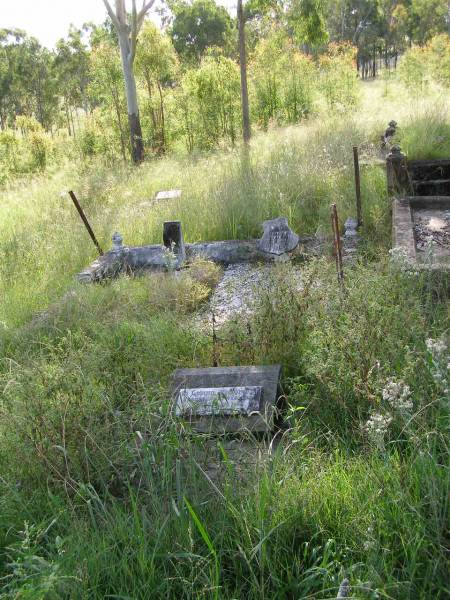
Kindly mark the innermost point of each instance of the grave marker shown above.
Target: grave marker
(227, 399)
(173, 239)
(168, 195)
(278, 238)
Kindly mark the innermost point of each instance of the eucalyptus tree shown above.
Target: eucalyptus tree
(197, 26)
(246, 131)
(128, 27)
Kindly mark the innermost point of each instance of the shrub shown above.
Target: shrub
(338, 77)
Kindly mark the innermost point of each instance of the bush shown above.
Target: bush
(338, 77)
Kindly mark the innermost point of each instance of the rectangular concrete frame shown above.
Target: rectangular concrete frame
(403, 226)
(215, 377)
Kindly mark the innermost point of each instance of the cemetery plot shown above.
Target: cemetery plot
(421, 230)
(277, 243)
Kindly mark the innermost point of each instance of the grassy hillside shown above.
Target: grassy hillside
(103, 496)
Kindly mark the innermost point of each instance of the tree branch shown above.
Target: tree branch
(144, 10)
(134, 31)
(111, 14)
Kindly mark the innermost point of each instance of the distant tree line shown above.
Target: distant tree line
(188, 73)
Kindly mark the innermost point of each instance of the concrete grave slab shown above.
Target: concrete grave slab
(227, 399)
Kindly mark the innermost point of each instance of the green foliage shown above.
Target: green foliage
(197, 26)
(307, 17)
(426, 137)
(414, 70)
(156, 64)
(282, 81)
(210, 102)
(338, 77)
(430, 63)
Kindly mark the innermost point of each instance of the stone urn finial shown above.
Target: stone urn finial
(396, 150)
(117, 241)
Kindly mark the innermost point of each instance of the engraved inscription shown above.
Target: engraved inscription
(222, 401)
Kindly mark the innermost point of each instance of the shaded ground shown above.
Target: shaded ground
(432, 232)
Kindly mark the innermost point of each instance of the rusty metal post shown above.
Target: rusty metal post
(215, 361)
(357, 185)
(86, 222)
(337, 244)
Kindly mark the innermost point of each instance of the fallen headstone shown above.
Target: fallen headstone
(168, 195)
(278, 238)
(227, 399)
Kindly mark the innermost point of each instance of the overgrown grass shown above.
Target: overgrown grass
(103, 494)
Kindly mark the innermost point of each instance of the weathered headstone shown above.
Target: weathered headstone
(278, 238)
(168, 195)
(227, 399)
(173, 239)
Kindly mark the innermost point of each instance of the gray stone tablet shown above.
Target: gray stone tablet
(278, 238)
(227, 399)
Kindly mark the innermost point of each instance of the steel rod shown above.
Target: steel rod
(357, 185)
(337, 243)
(86, 222)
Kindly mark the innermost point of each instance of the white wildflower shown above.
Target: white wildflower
(436, 347)
(398, 395)
(376, 428)
(440, 365)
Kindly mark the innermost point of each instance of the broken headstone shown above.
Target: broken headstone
(278, 238)
(174, 241)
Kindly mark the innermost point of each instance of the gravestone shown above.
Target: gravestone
(168, 195)
(227, 399)
(278, 238)
(173, 240)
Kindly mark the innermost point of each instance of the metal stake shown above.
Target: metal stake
(86, 222)
(337, 244)
(357, 185)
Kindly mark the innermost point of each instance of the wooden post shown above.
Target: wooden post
(86, 222)
(357, 185)
(337, 244)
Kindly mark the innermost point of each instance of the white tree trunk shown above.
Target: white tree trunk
(127, 29)
(137, 146)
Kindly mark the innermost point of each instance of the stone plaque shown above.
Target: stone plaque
(168, 195)
(218, 401)
(278, 238)
(241, 398)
